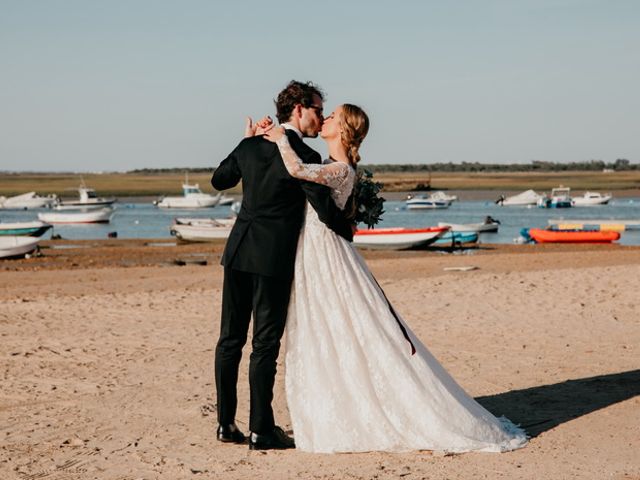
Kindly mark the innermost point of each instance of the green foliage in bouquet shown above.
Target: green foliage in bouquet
(368, 204)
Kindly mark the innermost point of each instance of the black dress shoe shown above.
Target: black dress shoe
(230, 434)
(274, 440)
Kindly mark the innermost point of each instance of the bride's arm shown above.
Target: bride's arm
(330, 174)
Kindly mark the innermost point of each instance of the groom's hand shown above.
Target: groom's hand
(261, 127)
(264, 125)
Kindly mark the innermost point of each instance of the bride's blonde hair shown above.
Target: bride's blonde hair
(354, 125)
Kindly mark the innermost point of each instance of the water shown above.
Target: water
(143, 220)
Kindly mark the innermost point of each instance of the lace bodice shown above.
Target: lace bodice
(338, 176)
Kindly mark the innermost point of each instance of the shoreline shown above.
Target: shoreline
(166, 252)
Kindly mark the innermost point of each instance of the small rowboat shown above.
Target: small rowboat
(457, 239)
(397, 238)
(31, 229)
(201, 229)
(90, 216)
(572, 236)
(13, 246)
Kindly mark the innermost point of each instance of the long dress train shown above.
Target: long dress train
(352, 383)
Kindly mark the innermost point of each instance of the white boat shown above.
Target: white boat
(529, 197)
(226, 200)
(192, 197)
(89, 216)
(591, 198)
(560, 198)
(29, 229)
(397, 238)
(26, 201)
(87, 199)
(14, 246)
(423, 202)
(202, 229)
(440, 195)
(489, 225)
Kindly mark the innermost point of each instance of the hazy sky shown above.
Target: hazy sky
(113, 85)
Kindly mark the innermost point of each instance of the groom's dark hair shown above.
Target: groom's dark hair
(295, 93)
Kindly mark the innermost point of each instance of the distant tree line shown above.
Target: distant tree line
(162, 171)
(620, 164)
(535, 166)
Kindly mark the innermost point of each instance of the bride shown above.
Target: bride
(352, 382)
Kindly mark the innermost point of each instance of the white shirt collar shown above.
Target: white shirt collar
(288, 126)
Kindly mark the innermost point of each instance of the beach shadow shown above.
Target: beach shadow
(538, 409)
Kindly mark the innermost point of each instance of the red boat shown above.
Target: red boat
(572, 236)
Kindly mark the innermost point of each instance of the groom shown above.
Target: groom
(259, 260)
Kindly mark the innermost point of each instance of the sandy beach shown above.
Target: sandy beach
(107, 363)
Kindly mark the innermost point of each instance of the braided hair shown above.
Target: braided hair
(354, 127)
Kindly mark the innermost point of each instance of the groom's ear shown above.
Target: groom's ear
(297, 111)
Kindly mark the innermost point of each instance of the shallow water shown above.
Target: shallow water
(144, 220)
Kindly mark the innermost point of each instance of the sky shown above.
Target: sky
(92, 85)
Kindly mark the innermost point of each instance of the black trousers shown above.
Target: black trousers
(267, 298)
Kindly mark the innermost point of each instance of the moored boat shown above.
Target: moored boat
(102, 215)
(541, 235)
(87, 199)
(426, 202)
(397, 238)
(28, 229)
(201, 229)
(15, 246)
(26, 201)
(619, 225)
(192, 197)
(560, 198)
(489, 225)
(529, 197)
(457, 239)
(590, 199)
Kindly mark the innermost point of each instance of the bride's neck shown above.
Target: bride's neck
(337, 151)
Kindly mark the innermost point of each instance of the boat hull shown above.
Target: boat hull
(92, 216)
(25, 229)
(427, 205)
(16, 246)
(202, 229)
(457, 238)
(471, 227)
(187, 203)
(397, 238)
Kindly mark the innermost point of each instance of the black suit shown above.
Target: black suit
(259, 261)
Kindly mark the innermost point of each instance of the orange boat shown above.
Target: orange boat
(572, 236)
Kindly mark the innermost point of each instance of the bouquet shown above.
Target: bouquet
(368, 204)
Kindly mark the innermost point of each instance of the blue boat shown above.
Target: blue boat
(25, 229)
(457, 238)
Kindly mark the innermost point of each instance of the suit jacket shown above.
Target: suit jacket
(264, 237)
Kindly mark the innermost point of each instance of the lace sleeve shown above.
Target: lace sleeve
(333, 174)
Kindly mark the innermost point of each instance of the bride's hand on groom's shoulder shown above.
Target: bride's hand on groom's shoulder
(258, 128)
(274, 134)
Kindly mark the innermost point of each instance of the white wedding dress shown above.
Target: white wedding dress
(352, 383)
